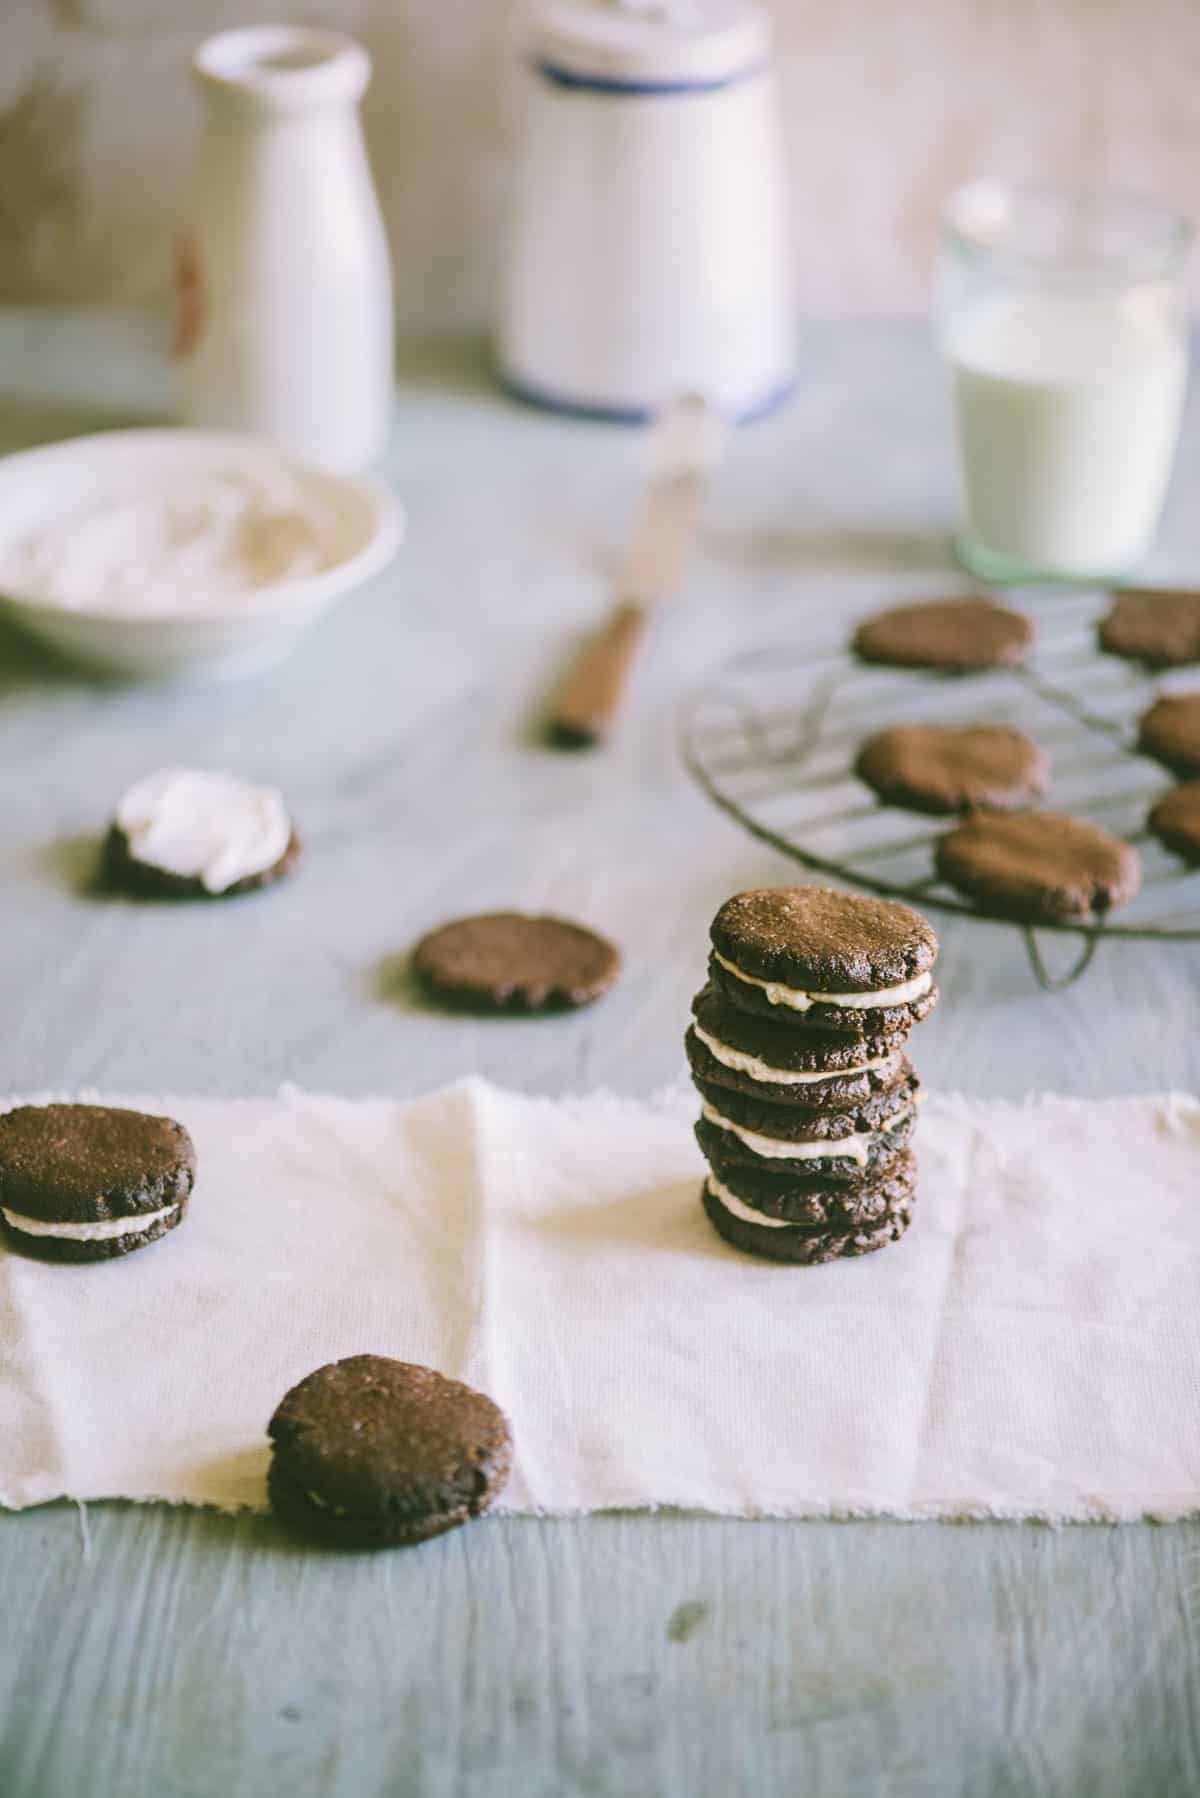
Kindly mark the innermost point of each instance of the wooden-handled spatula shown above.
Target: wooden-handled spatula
(685, 445)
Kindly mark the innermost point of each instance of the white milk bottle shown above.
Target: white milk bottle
(284, 323)
(1062, 318)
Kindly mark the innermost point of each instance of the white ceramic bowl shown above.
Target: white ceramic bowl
(360, 529)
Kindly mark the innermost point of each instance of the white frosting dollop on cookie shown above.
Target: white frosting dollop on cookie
(204, 826)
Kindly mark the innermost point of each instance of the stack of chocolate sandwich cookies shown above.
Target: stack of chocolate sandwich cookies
(808, 1100)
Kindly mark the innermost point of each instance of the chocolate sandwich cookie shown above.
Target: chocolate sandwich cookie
(1175, 820)
(822, 960)
(714, 1062)
(748, 1052)
(88, 1182)
(182, 833)
(894, 1015)
(508, 961)
(1158, 627)
(794, 1243)
(854, 1160)
(1170, 732)
(938, 768)
(1039, 866)
(374, 1453)
(950, 636)
(794, 1120)
(795, 1199)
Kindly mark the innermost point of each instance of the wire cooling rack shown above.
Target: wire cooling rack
(772, 741)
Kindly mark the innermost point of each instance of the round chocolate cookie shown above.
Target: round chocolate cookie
(799, 1245)
(182, 833)
(938, 768)
(853, 1025)
(508, 961)
(794, 1121)
(1175, 820)
(1039, 866)
(772, 1049)
(876, 1157)
(88, 1182)
(832, 1092)
(824, 960)
(373, 1453)
(1170, 732)
(1158, 627)
(951, 636)
(792, 1200)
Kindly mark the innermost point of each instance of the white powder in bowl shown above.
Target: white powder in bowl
(189, 539)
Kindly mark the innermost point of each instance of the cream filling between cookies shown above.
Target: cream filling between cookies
(795, 1000)
(772, 1148)
(741, 1063)
(731, 1203)
(101, 1231)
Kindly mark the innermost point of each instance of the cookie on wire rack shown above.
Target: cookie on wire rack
(947, 636)
(1039, 867)
(946, 768)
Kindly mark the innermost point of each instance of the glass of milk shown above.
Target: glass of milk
(1061, 313)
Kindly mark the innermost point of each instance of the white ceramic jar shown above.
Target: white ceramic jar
(284, 291)
(649, 250)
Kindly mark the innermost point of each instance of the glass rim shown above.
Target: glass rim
(1163, 251)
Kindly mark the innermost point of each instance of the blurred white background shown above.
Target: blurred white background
(887, 104)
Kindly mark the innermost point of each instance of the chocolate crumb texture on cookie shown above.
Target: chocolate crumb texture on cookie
(1170, 732)
(827, 960)
(796, 1244)
(91, 1182)
(370, 1452)
(948, 636)
(1039, 866)
(1156, 626)
(944, 768)
(510, 961)
(1175, 820)
(805, 1199)
(187, 833)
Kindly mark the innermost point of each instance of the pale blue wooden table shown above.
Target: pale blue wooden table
(148, 1653)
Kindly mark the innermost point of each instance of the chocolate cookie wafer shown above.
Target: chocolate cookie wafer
(90, 1182)
(854, 1159)
(769, 1060)
(825, 960)
(775, 1241)
(803, 1199)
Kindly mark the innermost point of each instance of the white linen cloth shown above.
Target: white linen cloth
(1030, 1349)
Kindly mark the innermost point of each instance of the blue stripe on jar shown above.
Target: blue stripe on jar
(545, 401)
(604, 84)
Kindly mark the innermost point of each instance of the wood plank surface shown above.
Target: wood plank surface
(150, 1652)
